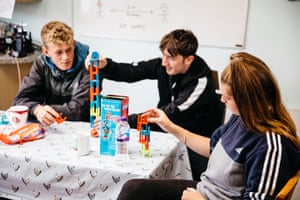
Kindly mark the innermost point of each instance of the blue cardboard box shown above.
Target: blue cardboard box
(112, 108)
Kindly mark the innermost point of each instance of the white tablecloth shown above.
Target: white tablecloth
(49, 169)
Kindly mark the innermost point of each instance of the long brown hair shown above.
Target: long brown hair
(258, 97)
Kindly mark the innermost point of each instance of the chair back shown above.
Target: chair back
(286, 192)
(215, 76)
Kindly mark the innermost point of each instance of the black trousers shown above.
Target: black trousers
(154, 189)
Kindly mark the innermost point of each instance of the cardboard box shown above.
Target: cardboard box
(112, 108)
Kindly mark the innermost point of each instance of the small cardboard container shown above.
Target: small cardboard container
(113, 107)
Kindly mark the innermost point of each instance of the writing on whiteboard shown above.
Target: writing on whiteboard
(214, 22)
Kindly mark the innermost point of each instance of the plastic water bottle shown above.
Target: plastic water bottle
(122, 138)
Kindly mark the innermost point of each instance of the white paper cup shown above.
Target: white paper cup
(17, 115)
(81, 143)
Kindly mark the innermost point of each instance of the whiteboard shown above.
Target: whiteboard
(220, 23)
(7, 8)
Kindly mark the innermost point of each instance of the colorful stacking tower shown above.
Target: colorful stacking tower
(144, 135)
(95, 89)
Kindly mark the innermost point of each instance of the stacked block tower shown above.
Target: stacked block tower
(144, 135)
(95, 89)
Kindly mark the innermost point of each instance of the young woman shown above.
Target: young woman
(250, 157)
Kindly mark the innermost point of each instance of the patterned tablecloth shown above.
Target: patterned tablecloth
(49, 169)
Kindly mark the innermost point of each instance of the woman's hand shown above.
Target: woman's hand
(191, 194)
(159, 117)
(197, 143)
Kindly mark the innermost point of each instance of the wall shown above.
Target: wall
(273, 34)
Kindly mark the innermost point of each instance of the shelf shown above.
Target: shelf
(29, 58)
(12, 71)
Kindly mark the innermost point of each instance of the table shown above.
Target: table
(49, 169)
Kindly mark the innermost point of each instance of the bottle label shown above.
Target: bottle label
(121, 147)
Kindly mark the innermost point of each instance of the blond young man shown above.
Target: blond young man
(58, 81)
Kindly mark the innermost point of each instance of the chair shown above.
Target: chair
(287, 191)
(215, 76)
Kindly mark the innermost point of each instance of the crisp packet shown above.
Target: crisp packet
(26, 133)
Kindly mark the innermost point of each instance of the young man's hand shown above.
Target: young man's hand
(102, 62)
(45, 114)
(97, 123)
